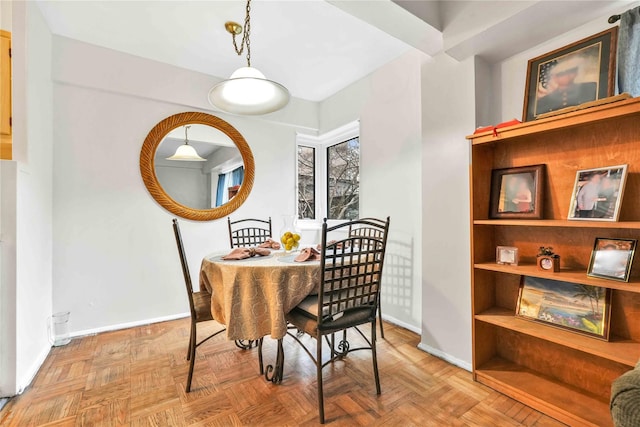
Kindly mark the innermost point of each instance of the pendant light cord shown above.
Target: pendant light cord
(186, 138)
(245, 36)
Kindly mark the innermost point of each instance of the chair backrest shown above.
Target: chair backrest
(185, 266)
(248, 232)
(364, 229)
(352, 270)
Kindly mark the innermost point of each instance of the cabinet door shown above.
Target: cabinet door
(5, 96)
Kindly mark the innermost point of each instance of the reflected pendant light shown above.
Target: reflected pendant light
(186, 152)
(247, 91)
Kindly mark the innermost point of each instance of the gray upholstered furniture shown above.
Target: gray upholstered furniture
(625, 399)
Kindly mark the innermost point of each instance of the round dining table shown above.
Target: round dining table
(252, 296)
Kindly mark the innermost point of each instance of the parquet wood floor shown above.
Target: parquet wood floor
(136, 377)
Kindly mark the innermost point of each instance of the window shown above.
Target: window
(329, 174)
(343, 179)
(228, 185)
(306, 182)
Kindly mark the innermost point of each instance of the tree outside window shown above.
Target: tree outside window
(306, 182)
(343, 180)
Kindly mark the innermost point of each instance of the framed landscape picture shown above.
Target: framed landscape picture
(580, 72)
(579, 308)
(517, 192)
(597, 194)
(612, 258)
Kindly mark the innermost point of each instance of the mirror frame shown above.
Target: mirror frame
(148, 170)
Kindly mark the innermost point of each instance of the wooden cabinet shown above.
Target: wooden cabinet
(566, 375)
(5, 95)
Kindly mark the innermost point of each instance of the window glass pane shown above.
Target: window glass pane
(306, 182)
(343, 180)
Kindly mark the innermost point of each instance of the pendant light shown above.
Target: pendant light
(247, 91)
(186, 152)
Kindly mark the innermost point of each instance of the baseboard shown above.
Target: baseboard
(402, 324)
(446, 357)
(33, 370)
(127, 325)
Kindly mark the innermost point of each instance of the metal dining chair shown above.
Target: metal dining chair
(365, 230)
(199, 306)
(350, 273)
(248, 232)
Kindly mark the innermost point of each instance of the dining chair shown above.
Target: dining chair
(248, 232)
(350, 273)
(364, 230)
(199, 306)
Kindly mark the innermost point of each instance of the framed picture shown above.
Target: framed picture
(597, 194)
(580, 72)
(517, 192)
(507, 255)
(579, 308)
(612, 258)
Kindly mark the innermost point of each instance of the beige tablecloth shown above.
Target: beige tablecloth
(252, 296)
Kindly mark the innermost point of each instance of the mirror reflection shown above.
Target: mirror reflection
(204, 183)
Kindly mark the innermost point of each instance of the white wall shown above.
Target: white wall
(186, 183)
(448, 114)
(509, 76)
(115, 258)
(8, 337)
(27, 207)
(387, 102)
(5, 15)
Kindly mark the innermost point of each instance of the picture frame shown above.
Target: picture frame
(584, 309)
(571, 75)
(507, 255)
(597, 194)
(517, 193)
(612, 258)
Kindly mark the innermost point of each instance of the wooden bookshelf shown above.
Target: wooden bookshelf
(562, 373)
(569, 405)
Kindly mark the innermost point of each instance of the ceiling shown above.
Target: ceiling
(310, 46)
(205, 139)
(317, 47)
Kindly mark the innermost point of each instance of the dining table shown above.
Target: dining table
(252, 296)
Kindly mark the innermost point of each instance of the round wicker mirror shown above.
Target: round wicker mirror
(148, 170)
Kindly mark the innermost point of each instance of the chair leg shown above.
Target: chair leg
(192, 355)
(193, 325)
(374, 356)
(333, 345)
(380, 318)
(319, 376)
(260, 356)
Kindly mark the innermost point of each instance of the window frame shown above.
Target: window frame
(321, 143)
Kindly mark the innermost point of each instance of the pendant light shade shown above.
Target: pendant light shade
(247, 91)
(186, 152)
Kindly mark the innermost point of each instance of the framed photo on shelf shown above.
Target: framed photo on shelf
(580, 72)
(507, 255)
(597, 194)
(612, 258)
(584, 309)
(517, 192)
